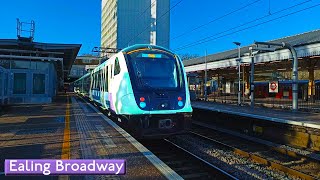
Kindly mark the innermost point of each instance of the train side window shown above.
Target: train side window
(95, 80)
(116, 67)
(111, 73)
(103, 80)
(91, 81)
(107, 79)
(99, 79)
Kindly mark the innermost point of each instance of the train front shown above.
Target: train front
(159, 84)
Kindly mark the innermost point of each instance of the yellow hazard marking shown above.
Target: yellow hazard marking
(66, 135)
(152, 55)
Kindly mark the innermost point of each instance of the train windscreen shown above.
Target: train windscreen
(153, 69)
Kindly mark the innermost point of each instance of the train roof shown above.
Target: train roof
(142, 46)
(88, 74)
(131, 48)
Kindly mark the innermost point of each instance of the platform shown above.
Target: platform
(310, 120)
(280, 126)
(70, 128)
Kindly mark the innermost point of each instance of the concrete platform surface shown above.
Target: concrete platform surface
(305, 119)
(70, 128)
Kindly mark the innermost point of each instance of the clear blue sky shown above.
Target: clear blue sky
(78, 21)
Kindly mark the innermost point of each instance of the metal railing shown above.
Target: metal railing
(281, 100)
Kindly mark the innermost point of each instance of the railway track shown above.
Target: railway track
(185, 163)
(289, 162)
(189, 165)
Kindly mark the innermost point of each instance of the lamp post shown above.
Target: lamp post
(205, 78)
(239, 71)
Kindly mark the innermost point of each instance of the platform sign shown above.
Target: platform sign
(273, 86)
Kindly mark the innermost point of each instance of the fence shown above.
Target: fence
(281, 100)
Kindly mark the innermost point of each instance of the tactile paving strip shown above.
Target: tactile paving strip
(89, 144)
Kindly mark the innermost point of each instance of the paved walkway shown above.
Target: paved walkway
(311, 120)
(70, 128)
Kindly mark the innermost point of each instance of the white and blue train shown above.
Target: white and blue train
(145, 87)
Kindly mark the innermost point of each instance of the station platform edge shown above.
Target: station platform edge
(70, 128)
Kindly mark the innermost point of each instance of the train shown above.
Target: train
(145, 88)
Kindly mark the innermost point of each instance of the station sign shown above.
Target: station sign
(273, 86)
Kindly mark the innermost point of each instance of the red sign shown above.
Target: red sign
(273, 86)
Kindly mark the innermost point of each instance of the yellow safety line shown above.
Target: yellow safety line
(136, 50)
(66, 136)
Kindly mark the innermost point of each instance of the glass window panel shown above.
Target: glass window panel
(155, 70)
(116, 67)
(42, 65)
(19, 83)
(38, 84)
(99, 79)
(5, 63)
(107, 78)
(1, 87)
(20, 64)
(33, 65)
(5, 84)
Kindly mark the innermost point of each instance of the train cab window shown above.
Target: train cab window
(116, 67)
(154, 69)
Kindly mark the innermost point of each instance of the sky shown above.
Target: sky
(78, 21)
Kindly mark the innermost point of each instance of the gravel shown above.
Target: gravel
(227, 160)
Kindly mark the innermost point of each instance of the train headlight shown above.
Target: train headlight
(180, 103)
(143, 104)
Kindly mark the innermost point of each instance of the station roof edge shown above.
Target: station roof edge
(302, 39)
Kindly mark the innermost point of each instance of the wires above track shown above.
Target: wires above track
(216, 19)
(222, 33)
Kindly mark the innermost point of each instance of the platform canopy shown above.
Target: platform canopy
(306, 44)
(63, 55)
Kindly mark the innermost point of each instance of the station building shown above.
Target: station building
(82, 65)
(125, 23)
(222, 74)
(33, 72)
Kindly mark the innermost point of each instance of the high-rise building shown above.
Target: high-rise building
(128, 22)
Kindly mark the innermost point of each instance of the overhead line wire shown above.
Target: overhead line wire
(216, 19)
(204, 40)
